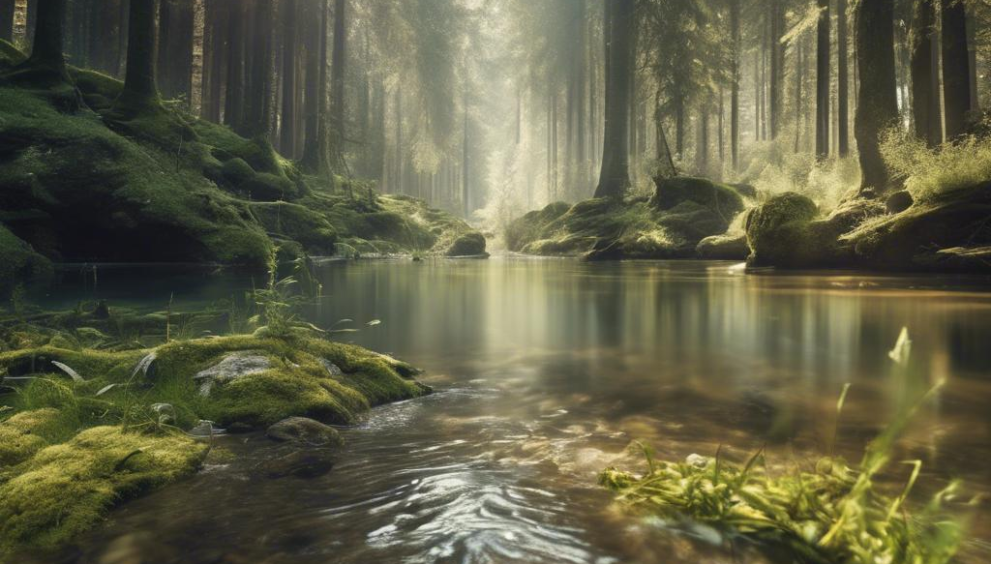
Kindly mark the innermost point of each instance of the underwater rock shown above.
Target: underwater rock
(232, 367)
(468, 245)
(304, 430)
(305, 464)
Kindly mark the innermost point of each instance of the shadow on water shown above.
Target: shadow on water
(545, 371)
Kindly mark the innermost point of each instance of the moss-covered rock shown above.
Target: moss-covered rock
(65, 489)
(72, 448)
(724, 247)
(671, 224)
(468, 245)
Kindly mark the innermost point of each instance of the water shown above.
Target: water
(545, 371)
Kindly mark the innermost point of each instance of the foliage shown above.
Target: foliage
(928, 172)
(835, 514)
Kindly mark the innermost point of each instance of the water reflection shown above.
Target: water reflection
(546, 370)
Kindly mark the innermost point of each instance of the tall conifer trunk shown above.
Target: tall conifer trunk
(614, 177)
(877, 106)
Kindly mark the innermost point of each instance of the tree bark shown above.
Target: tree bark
(843, 80)
(925, 97)
(777, 66)
(877, 106)
(956, 68)
(823, 80)
(140, 88)
(735, 87)
(47, 60)
(175, 49)
(258, 110)
(614, 177)
(287, 128)
(234, 91)
(7, 20)
(338, 69)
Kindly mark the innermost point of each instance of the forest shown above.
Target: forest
(488, 281)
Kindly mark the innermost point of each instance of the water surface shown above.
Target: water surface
(545, 371)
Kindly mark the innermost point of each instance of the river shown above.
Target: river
(544, 372)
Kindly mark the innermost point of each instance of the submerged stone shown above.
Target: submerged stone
(304, 430)
(304, 464)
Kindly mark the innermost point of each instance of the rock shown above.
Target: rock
(670, 192)
(306, 464)
(332, 368)
(304, 430)
(899, 202)
(745, 190)
(468, 245)
(233, 366)
(774, 227)
(724, 247)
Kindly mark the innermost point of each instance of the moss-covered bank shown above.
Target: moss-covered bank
(90, 185)
(949, 231)
(671, 224)
(82, 430)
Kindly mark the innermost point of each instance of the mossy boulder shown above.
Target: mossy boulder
(305, 431)
(26, 433)
(468, 245)
(671, 224)
(724, 247)
(297, 223)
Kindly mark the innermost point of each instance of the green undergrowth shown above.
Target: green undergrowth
(95, 182)
(834, 513)
(682, 212)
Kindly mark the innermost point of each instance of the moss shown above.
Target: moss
(65, 489)
(724, 247)
(298, 223)
(267, 187)
(10, 55)
(19, 262)
(670, 225)
(26, 433)
(237, 171)
(99, 195)
(469, 244)
(99, 90)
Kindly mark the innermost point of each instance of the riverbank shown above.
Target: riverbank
(90, 419)
(80, 184)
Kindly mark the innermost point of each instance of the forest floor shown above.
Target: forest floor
(82, 185)
(101, 406)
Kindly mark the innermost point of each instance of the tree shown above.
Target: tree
(614, 177)
(926, 111)
(46, 65)
(337, 82)
(735, 94)
(140, 88)
(7, 20)
(956, 68)
(823, 78)
(877, 106)
(287, 128)
(842, 80)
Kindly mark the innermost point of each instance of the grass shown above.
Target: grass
(929, 172)
(835, 513)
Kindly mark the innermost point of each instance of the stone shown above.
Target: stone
(304, 430)
(467, 245)
(724, 247)
(233, 366)
(305, 464)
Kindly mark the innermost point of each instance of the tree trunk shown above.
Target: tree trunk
(47, 61)
(287, 128)
(217, 13)
(7, 20)
(338, 133)
(777, 66)
(175, 51)
(877, 106)
(925, 97)
(234, 91)
(975, 102)
(140, 89)
(956, 68)
(614, 178)
(843, 80)
(258, 110)
(734, 120)
(823, 80)
(465, 200)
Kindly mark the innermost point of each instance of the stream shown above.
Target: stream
(544, 371)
